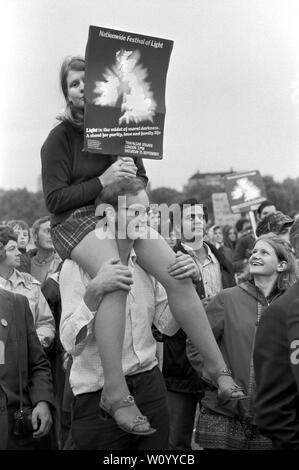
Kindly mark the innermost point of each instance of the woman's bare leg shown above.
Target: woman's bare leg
(154, 255)
(110, 319)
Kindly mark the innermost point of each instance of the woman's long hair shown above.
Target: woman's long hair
(284, 252)
(71, 114)
(226, 240)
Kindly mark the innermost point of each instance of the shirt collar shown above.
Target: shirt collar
(17, 278)
(208, 251)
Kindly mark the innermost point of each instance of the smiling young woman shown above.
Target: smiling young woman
(234, 315)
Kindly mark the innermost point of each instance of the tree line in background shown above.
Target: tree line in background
(27, 205)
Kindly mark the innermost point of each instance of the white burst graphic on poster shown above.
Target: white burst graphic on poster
(245, 189)
(126, 79)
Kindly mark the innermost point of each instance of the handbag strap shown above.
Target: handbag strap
(19, 361)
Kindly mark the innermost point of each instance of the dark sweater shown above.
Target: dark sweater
(69, 175)
(276, 363)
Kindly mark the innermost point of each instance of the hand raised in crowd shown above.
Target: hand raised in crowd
(41, 419)
(184, 267)
(123, 167)
(111, 276)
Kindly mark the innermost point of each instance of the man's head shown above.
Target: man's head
(194, 218)
(21, 229)
(266, 208)
(41, 232)
(9, 253)
(243, 226)
(125, 204)
(217, 234)
(276, 223)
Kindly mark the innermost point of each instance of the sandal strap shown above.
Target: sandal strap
(138, 420)
(222, 372)
(122, 403)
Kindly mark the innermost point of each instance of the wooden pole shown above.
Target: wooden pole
(253, 222)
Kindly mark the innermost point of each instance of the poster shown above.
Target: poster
(244, 190)
(222, 212)
(125, 85)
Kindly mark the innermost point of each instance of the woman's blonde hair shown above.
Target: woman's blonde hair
(71, 114)
(284, 252)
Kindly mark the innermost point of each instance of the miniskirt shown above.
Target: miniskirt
(67, 235)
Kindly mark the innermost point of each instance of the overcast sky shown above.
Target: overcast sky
(232, 89)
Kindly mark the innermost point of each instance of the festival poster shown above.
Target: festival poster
(125, 93)
(244, 190)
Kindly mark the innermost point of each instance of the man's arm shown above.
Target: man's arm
(44, 320)
(80, 302)
(39, 374)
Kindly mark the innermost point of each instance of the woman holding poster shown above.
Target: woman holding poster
(72, 180)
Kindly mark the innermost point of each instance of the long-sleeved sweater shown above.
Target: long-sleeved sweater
(71, 176)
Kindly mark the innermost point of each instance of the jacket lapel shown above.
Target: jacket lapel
(6, 306)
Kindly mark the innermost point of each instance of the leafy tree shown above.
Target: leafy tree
(165, 195)
(22, 204)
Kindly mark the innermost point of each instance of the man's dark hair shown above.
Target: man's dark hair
(240, 224)
(195, 202)
(263, 205)
(111, 192)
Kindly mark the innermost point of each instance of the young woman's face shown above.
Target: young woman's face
(75, 88)
(232, 235)
(218, 235)
(23, 236)
(263, 260)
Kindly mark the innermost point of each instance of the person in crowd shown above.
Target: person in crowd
(294, 238)
(147, 303)
(21, 354)
(276, 366)
(57, 356)
(277, 223)
(229, 237)
(72, 179)
(218, 241)
(21, 229)
(244, 246)
(23, 283)
(234, 315)
(210, 272)
(46, 260)
(264, 209)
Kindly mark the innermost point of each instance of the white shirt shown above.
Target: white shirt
(147, 304)
(25, 284)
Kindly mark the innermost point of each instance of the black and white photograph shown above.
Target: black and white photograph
(149, 231)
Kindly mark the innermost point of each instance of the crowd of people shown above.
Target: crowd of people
(117, 335)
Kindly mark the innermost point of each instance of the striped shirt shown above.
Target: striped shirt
(209, 270)
(147, 304)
